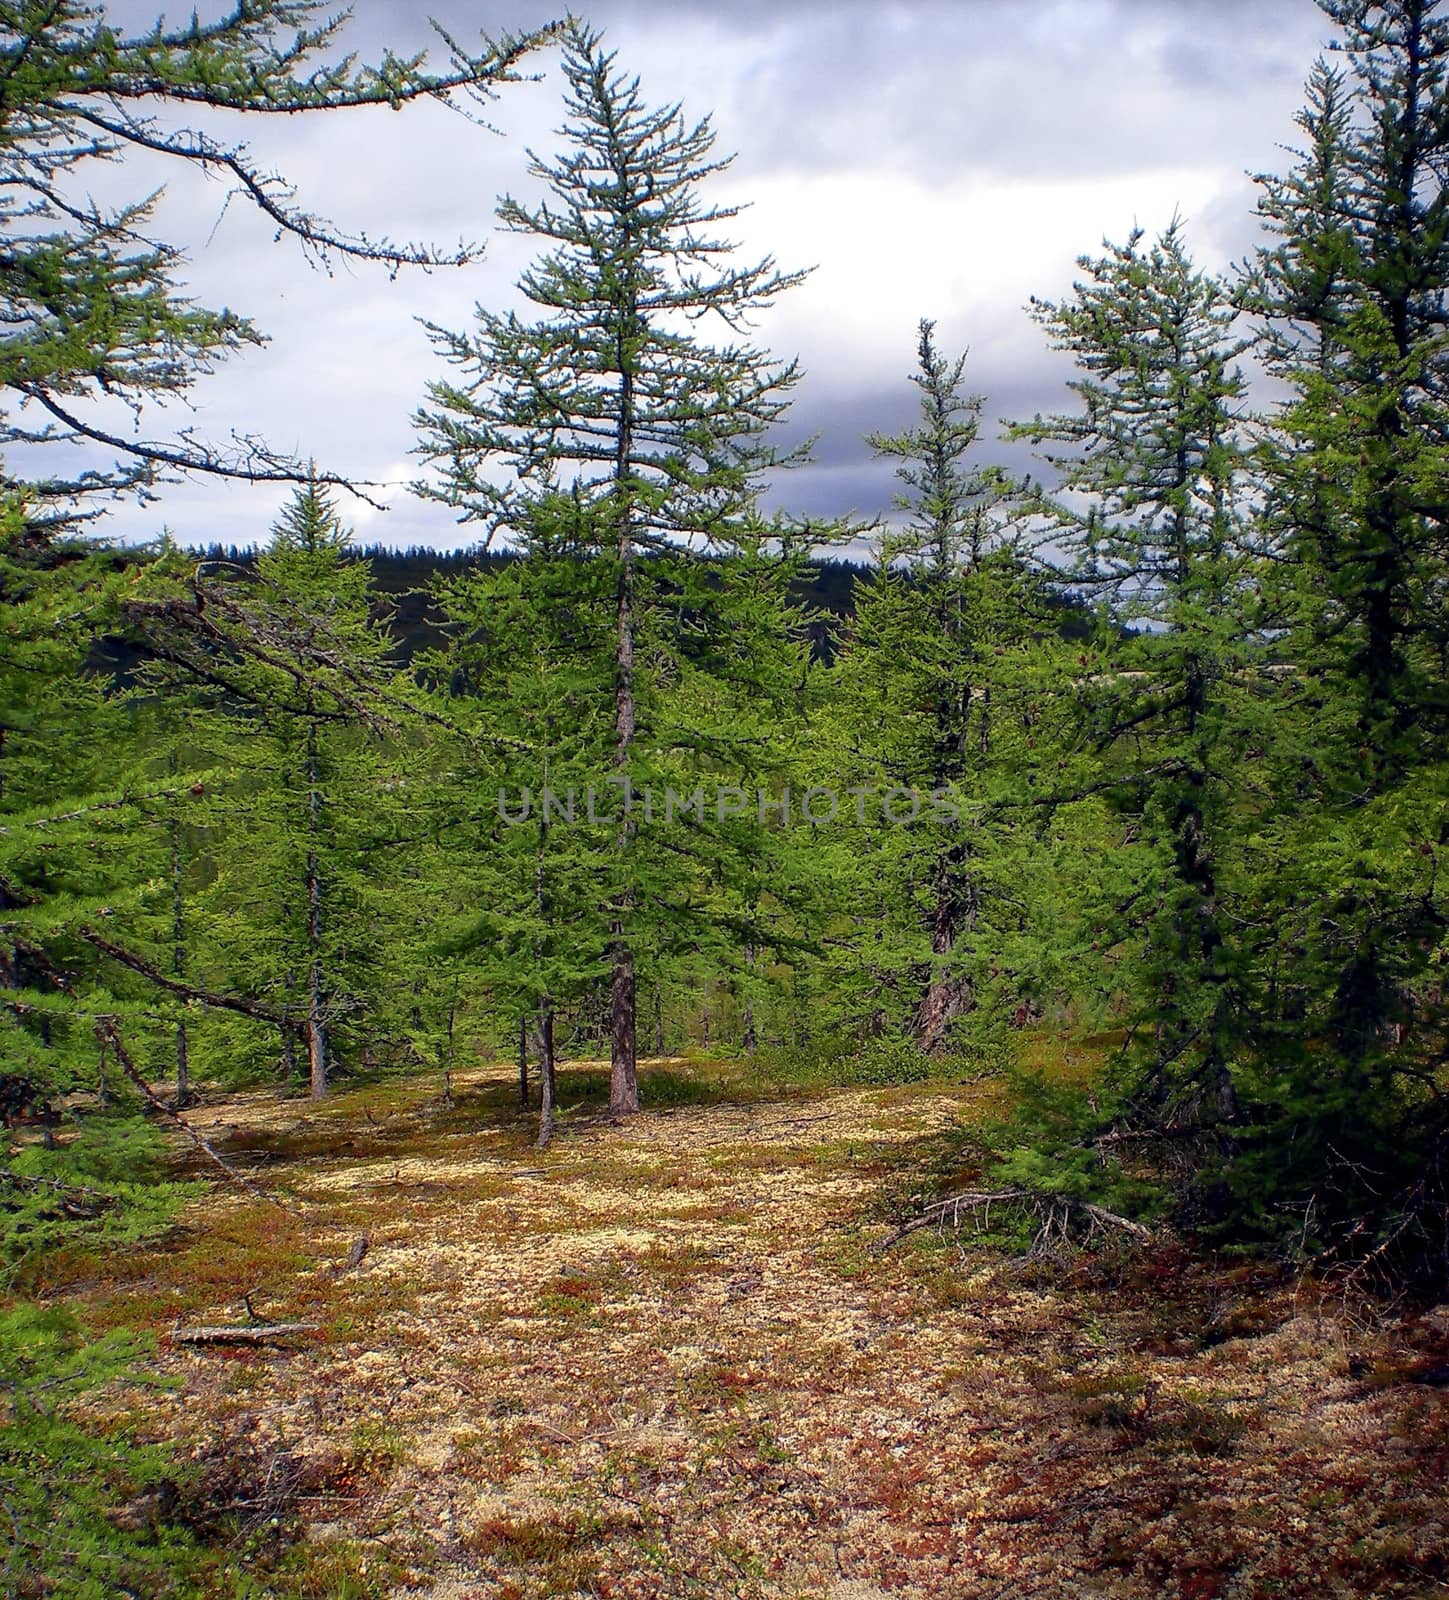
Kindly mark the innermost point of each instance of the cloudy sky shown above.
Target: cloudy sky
(941, 158)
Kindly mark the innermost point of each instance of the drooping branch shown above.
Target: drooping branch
(212, 615)
(217, 1002)
(161, 68)
(252, 462)
(295, 654)
(108, 1032)
(94, 308)
(270, 194)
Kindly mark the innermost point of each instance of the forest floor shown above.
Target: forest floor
(666, 1359)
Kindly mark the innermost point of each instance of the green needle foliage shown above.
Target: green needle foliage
(96, 835)
(1349, 295)
(302, 912)
(62, 1475)
(95, 328)
(521, 680)
(1152, 751)
(1151, 518)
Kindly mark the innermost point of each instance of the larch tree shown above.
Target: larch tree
(1147, 517)
(268, 724)
(322, 770)
(520, 679)
(612, 393)
(935, 632)
(1349, 294)
(320, 782)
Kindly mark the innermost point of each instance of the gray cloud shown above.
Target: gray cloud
(843, 477)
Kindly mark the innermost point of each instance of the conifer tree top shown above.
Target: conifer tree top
(309, 522)
(944, 497)
(1147, 465)
(614, 393)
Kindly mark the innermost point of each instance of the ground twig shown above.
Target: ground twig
(1054, 1212)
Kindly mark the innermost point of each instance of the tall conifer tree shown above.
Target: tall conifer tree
(613, 394)
(1350, 296)
(1149, 514)
(935, 656)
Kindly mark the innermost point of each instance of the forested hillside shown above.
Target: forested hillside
(403, 583)
(1065, 844)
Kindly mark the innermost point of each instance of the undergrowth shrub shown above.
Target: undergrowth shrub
(66, 1480)
(104, 1185)
(837, 1061)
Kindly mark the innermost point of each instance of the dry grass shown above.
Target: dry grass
(661, 1360)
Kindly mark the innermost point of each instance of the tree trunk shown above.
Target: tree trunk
(450, 1054)
(183, 1068)
(747, 1016)
(316, 1020)
(316, 1038)
(9, 956)
(178, 955)
(523, 1062)
(623, 1058)
(548, 1087)
(946, 998)
(1199, 936)
(623, 1042)
(316, 1025)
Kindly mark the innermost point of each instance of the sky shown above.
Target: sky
(927, 158)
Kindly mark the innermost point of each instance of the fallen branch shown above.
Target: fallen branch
(1141, 1136)
(266, 1333)
(935, 1214)
(1110, 1219)
(1054, 1212)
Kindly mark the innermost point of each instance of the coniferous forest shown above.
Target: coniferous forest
(684, 1048)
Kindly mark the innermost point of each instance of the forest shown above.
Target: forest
(683, 1047)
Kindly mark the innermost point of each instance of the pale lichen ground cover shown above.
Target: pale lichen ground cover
(663, 1359)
